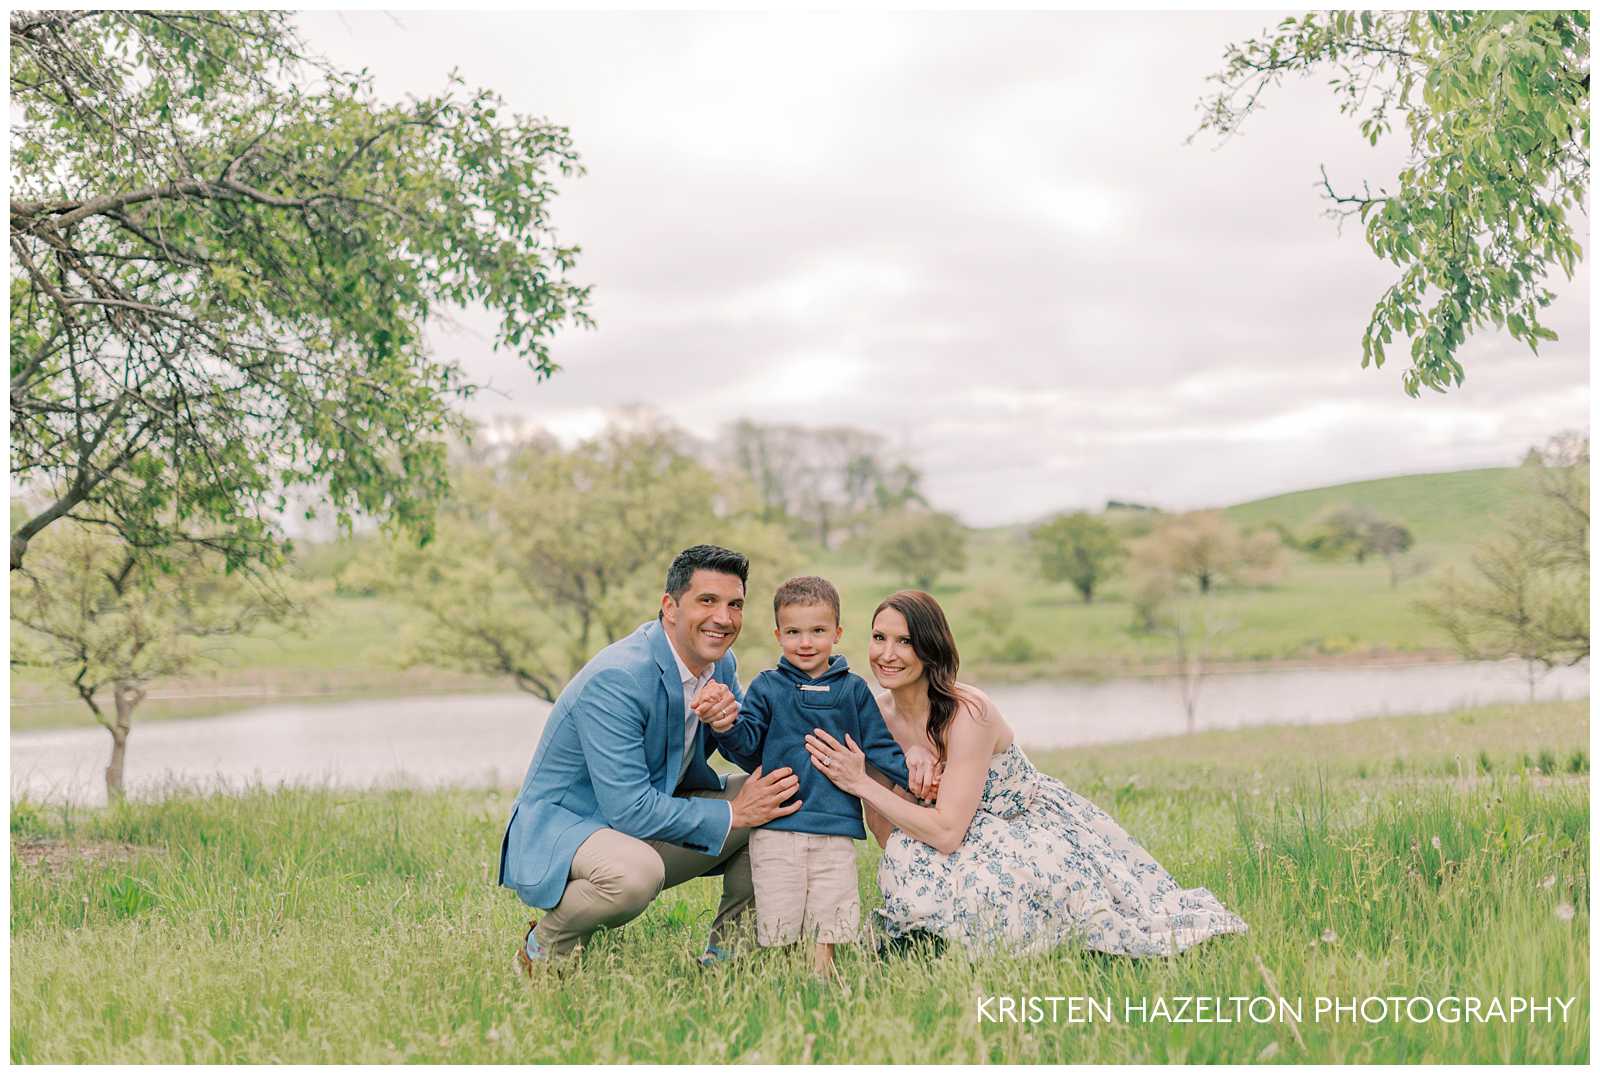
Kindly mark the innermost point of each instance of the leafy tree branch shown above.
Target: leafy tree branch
(1496, 107)
(224, 255)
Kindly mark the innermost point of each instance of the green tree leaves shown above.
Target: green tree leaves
(107, 621)
(1496, 107)
(545, 554)
(1078, 548)
(919, 546)
(1527, 595)
(224, 254)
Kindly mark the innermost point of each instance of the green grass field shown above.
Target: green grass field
(1418, 856)
(1320, 612)
(1447, 512)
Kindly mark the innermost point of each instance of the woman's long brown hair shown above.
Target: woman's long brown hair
(935, 647)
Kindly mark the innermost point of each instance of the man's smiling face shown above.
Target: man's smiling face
(704, 622)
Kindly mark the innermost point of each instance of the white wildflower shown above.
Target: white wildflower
(1564, 912)
(1329, 936)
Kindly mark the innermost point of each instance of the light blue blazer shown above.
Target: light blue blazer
(609, 758)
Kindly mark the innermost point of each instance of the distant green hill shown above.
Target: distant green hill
(1454, 508)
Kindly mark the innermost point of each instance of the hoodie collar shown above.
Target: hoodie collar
(837, 666)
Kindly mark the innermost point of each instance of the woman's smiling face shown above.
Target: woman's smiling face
(894, 662)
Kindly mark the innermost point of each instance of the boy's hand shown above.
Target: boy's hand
(924, 770)
(715, 705)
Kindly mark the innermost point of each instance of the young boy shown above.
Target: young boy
(804, 864)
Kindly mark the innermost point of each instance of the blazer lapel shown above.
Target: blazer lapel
(674, 724)
(672, 682)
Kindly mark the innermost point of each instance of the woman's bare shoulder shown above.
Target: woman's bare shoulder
(979, 704)
(985, 714)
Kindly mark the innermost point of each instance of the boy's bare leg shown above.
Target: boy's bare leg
(822, 965)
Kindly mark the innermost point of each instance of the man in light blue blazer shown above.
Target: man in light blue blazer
(619, 801)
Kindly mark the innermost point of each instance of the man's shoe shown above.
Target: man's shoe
(530, 952)
(715, 954)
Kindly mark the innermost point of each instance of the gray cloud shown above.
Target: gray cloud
(982, 235)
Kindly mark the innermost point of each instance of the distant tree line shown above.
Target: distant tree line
(546, 553)
(824, 484)
(1356, 532)
(1160, 552)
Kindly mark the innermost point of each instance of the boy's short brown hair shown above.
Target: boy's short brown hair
(806, 590)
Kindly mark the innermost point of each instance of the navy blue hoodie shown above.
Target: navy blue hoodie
(780, 707)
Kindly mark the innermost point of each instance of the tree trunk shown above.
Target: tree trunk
(1190, 668)
(1204, 578)
(119, 752)
(128, 696)
(1192, 671)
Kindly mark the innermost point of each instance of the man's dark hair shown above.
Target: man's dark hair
(704, 558)
(806, 590)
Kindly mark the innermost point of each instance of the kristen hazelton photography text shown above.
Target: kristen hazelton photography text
(1263, 1008)
(799, 538)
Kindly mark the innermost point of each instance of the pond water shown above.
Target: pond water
(487, 739)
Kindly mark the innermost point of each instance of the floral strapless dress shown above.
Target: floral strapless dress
(1041, 866)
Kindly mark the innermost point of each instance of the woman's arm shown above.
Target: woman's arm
(877, 824)
(942, 826)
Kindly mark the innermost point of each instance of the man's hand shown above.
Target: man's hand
(925, 772)
(715, 705)
(761, 798)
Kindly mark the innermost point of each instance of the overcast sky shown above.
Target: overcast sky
(981, 235)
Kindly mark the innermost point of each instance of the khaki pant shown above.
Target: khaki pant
(615, 876)
(805, 884)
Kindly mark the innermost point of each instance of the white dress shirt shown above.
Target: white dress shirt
(691, 686)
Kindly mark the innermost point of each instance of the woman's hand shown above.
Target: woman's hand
(925, 772)
(845, 766)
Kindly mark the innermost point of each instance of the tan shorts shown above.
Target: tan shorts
(805, 883)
